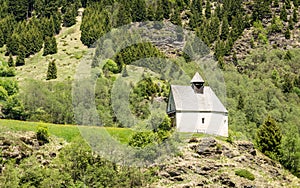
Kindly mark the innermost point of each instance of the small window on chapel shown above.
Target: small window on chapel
(203, 120)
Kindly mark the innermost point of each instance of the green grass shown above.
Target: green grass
(67, 132)
(245, 174)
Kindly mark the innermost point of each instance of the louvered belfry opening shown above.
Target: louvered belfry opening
(198, 84)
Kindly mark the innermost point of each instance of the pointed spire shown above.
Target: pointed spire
(197, 78)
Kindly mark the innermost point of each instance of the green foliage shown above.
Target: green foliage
(69, 17)
(42, 135)
(245, 174)
(10, 62)
(269, 138)
(50, 46)
(21, 56)
(57, 108)
(141, 139)
(52, 70)
(7, 71)
(3, 94)
(261, 9)
(283, 14)
(287, 33)
(207, 9)
(110, 66)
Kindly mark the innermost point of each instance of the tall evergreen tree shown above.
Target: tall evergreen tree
(69, 17)
(295, 15)
(261, 9)
(207, 10)
(52, 70)
(287, 33)
(50, 46)
(288, 4)
(269, 137)
(21, 56)
(225, 28)
(283, 14)
(276, 3)
(2, 42)
(124, 14)
(175, 17)
(138, 11)
(167, 8)
(10, 61)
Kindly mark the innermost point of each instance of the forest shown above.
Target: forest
(255, 44)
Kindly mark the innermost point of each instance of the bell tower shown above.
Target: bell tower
(198, 84)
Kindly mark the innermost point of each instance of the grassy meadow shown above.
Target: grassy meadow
(67, 132)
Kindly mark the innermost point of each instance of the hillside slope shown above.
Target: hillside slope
(208, 162)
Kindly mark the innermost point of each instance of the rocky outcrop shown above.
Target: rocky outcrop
(208, 162)
(21, 145)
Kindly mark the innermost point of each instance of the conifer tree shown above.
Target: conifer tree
(138, 10)
(288, 4)
(296, 3)
(283, 14)
(167, 8)
(276, 3)
(291, 24)
(207, 10)
(269, 137)
(295, 15)
(21, 56)
(52, 70)
(69, 18)
(2, 41)
(50, 46)
(10, 61)
(150, 13)
(124, 14)
(287, 33)
(159, 15)
(225, 28)
(175, 17)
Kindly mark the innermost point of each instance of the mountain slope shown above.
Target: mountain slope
(208, 162)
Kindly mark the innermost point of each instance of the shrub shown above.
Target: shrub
(245, 174)
(42, 134)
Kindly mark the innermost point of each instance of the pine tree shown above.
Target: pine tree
(124, 14)
(287, 33)
(261, 9)
(175, 17)
(234, 59)
(296, 3)
(291, 24)
(283, 14)
(150, 13)
(138, 10)
(21, 56)
(159, 15)
(225, 28)
(52, 70)
(207, 10)
(166, 8)
(276, 3)
(288, 4)
(10, 61)
(50, 46)
(2, 42)
(269, 137)
(69, 18)
(295, 15)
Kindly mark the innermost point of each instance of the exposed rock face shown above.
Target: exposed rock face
(20, 145)
(208, 162)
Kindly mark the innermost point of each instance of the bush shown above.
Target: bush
(245, 174)
(42, 134)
